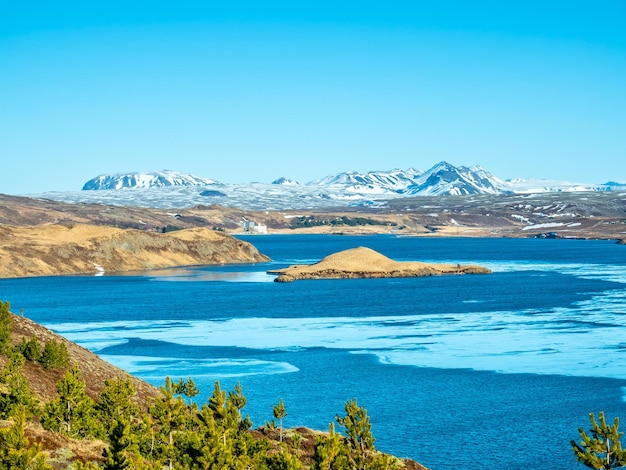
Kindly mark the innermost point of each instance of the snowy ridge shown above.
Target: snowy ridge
(150, 179)
(376, 181)
(170, 189)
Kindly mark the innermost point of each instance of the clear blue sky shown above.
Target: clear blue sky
(250, 91)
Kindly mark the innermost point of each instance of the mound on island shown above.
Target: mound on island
(364, 262)
(52, 249)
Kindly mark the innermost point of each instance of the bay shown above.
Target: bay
(496, 371)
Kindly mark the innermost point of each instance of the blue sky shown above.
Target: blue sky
(250, 91)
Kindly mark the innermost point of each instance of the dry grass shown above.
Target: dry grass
(79, 249)
(364, 262)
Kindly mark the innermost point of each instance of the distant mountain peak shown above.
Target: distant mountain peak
(285, 182)
(147, 179)
(349, 188)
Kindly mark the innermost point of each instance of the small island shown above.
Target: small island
(363, 262)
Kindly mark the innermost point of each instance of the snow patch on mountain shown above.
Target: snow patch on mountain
(142, 180)
(170, 189)
(285, 182)
(530, 186)
(375, 182)
(445, 179)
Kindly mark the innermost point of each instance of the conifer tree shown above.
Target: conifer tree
(168, 411)
(296, 440)
(30, 348)
(146, 436)
(283, 460)
(329, 452)
(18, 391)
(238, 400)
(237, 397)
(217, 402)
(279, 414)
(382, 461)
(222, 412)
(223, 442)
(359, 432)
(73, 411)
(187, 388)
(54, 355)
(116, 402)
(6, 323)
(120, 443)
(191, 390)
(603, 448)
(212, 452)
(16, 452)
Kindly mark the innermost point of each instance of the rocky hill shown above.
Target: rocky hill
(364, 262)
(76, 248)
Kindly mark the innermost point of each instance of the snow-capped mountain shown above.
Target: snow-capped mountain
(445, 179)
(170, 189)
(375, 182)
(142, 180)
(285, 182)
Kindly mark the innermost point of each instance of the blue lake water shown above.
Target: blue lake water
(493, 370)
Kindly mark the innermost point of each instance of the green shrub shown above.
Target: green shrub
(6, 322)
(30, 349)
(55, 355)
(170, 228)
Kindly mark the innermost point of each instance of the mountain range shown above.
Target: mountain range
(171, 189)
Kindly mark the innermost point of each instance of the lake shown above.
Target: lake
(488, 371)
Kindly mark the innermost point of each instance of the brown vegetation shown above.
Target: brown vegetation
(590, 215)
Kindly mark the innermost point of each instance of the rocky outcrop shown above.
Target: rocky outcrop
(78, 249)
(364, 262)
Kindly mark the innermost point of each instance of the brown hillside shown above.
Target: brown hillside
(596, 214)
(76, 248)
(94, 370)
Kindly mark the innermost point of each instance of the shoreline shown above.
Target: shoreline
(444, 232)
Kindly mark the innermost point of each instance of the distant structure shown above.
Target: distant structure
(252, 227)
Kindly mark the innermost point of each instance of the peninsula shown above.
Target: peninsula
(364, 262)
(53, 249)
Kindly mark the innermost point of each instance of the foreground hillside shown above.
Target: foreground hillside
(77, 248)
(42, 382)
(77, 411)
